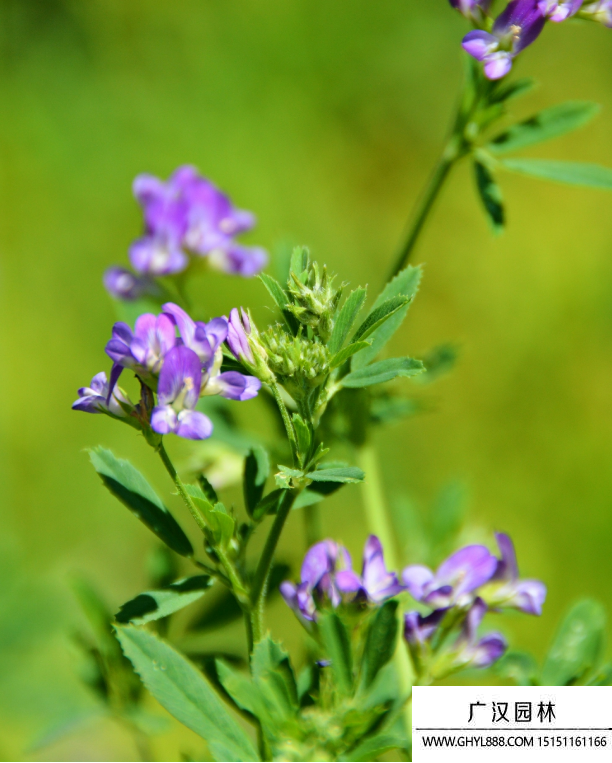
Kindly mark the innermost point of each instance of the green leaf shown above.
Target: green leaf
(389, 409)
(185, 693)
(302, 432)
(511, 90)
(256, 471)
(240, 687)
(349, 474)
(337, 645)
(603, 677)
(152, 605)
(520, 667)
(380, 641)
(269, 504)
(378, 315)
(299, 260)
(209, 492)
(129, 486)
(491, 197)
(573, 173)
(275, 290)
(545, 125)
(274, 678)
(405, 284)
(382, 371)
(316, 493)
(438, 362)
(220, 522)
(373, 747)
(347, 352)
(345, 319)
(278, 294)
(577, 645)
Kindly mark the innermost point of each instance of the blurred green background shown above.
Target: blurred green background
(324, 118)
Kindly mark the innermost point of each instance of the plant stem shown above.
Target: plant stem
(199, 519)
(286, 419)
(425, 204)
(379, 524)
(230, 570)
(260, 579)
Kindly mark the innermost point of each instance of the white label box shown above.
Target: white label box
(511, 723)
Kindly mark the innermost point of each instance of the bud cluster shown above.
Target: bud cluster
(314, 299)
(299, 363)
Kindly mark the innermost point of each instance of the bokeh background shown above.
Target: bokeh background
(324, 118)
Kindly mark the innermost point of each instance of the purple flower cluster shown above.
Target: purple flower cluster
(181, 369)
(465, 586)
(471, 581)
(185, 215)
(517, 26)
(327, 576)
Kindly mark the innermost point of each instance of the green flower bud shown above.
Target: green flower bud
(299, 363)
(314, 299)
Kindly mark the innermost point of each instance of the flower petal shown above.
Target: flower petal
(193, 425)
(185, 324)
(164, 419)
(236, 386)
(467, 569)
(479, 44)
(319, 559)
(529, 596)
(416, 577)
(180, 373)
(497, 65)
(489, 649)
(507, 568)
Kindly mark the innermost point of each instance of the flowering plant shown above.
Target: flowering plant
(372, 631)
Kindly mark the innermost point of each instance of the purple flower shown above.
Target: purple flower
(121, 283)
(188, 213)
(322, 563)
(559, 10)
(205, 339)
(600, 11)
(239, 329)
(144, 349)
(96, 398)
(327, 573)
(455, 580)
(418, 628)
(473, 652)
(159, 251)
(178, 392)
(518, 25)
(212, 220)
(507, 589)
(378, 584)
(471, 9)
(238, 260)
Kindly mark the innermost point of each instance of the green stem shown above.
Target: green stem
(425, 204)
(286, 420)
(230, 570)
(379, 523)
(260, 579)
(199, 519)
